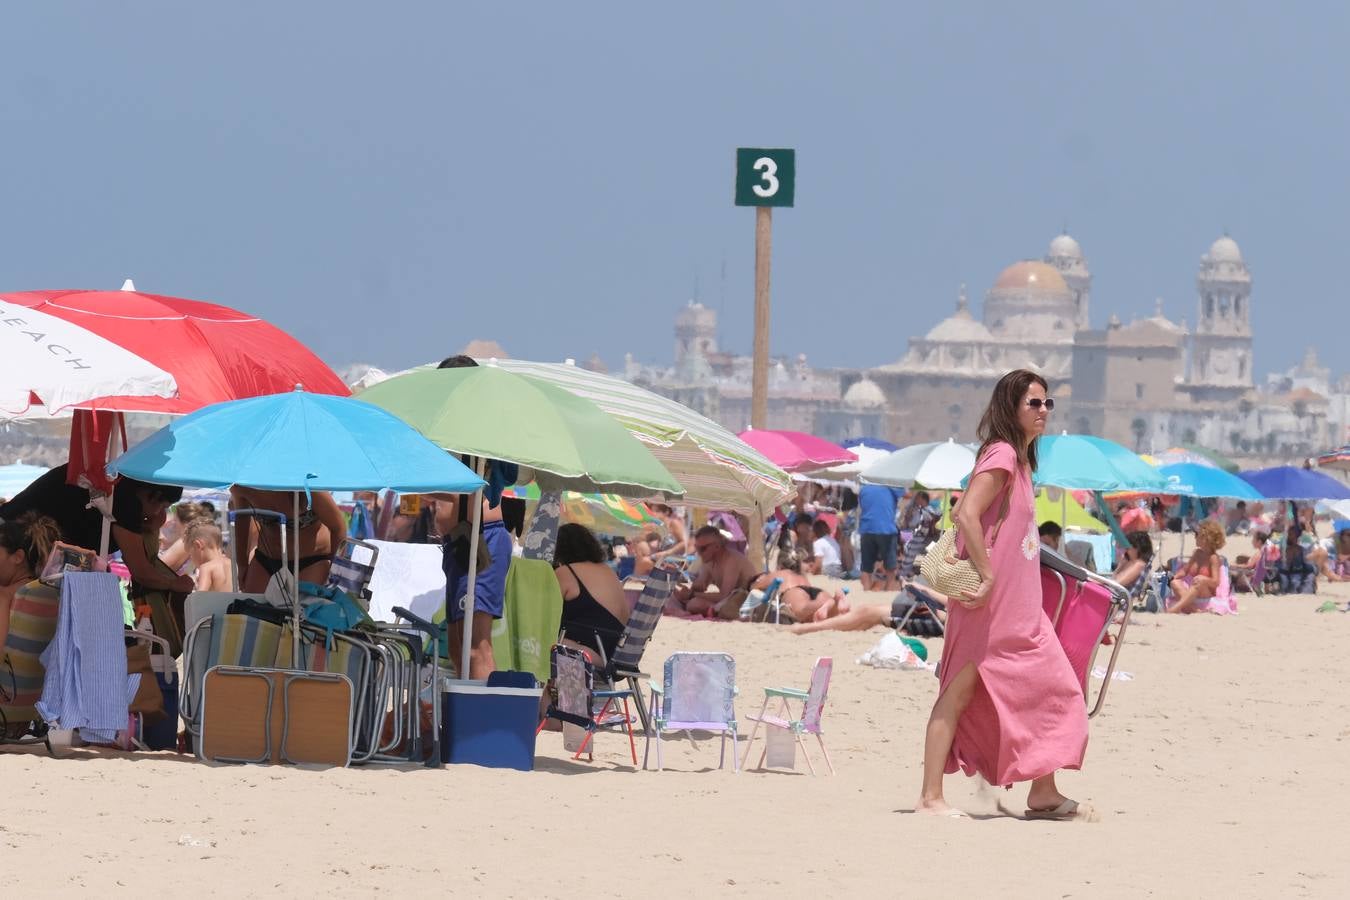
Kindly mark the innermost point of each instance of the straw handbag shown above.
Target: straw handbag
(950, 575)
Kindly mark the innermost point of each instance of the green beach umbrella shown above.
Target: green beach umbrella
(489, 412)
(716, 468)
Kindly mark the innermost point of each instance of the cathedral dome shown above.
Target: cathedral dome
(1031, 277)
(864, 394)
(1065, 247)
(1225, 249)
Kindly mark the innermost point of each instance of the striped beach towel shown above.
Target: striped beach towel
(32, 624)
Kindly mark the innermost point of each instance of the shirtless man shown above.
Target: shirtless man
(722, 567)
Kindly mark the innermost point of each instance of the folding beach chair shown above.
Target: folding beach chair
(759, 605)
(698, 693)
(1082, 606)
(921, 601)
(350, 575)
(625, 666)
(808, 722)
(572, 698)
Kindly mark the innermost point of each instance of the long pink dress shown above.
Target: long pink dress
(1027, 717)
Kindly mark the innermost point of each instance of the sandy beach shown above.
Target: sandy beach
(1217, 770)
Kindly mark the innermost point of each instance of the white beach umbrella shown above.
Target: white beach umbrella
(940, 466)
(867, 457)
(52, 365)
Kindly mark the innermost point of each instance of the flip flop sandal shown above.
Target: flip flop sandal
(1065, 812)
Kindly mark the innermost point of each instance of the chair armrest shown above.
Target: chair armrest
(792, 693)
(657, 688)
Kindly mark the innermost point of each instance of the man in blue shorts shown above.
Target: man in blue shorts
(489, 586)
(878, 535)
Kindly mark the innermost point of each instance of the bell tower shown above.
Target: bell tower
(1221, 352)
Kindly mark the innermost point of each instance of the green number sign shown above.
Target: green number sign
(765, 177)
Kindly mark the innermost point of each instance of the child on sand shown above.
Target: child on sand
(215, 572)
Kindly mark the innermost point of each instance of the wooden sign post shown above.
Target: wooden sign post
(764, 179)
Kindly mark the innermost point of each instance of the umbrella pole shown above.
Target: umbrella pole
(466, 647)
(1063, 517)
(295, 519)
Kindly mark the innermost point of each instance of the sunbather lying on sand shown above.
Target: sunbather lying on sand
(865, 616)
(800, 598)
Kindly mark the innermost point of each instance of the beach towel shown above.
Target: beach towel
(531, 614)
(86, 686)
(32, 625)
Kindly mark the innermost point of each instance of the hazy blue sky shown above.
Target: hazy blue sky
(387, 180)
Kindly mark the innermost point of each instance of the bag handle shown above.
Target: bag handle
(1006, 491)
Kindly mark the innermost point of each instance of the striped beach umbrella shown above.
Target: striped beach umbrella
(717, 469)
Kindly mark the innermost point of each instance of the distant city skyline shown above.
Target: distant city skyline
(388, 183)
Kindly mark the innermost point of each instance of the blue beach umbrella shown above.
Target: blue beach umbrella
(295, 442)
(1293, 483)
(1198, 480)
(873, 442)
(1082, 462)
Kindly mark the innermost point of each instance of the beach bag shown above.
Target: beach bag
(949, 574)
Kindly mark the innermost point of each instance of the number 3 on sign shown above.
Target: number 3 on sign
(765, 176)
(768, 170)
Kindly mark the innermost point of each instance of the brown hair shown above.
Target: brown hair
(1209, 534)
(999, 422)
(34, 534)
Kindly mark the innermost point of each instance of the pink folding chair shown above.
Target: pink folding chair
(813, 706)
(1081, 606)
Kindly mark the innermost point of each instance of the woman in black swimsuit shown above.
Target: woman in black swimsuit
(595, 609)
(314, 537)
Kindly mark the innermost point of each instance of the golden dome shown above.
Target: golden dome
(1031, 276)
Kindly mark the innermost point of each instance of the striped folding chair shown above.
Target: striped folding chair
(350, 576)
(627, 661)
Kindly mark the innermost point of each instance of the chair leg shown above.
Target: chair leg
(735, 766)
(643, 714)
(821, 740)
(722, 757)
(753, 732)
(660, 763)
(628, 726)
(807, 756)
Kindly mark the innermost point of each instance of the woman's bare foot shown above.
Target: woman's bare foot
(938, 808)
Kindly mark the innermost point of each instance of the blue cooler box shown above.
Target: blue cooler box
(491, 723)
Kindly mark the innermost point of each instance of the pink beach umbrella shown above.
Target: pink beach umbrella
(794, 451)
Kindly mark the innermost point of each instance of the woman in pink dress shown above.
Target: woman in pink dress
(1009, 707)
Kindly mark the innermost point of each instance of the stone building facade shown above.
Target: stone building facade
(1148, 384)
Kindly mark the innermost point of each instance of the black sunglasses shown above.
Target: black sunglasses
(1037, 403)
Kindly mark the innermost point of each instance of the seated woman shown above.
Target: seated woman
(313, 538)
(1331, 557)
(1296, 574)
(1244, 569)
(1198, 579)
(1134, 561)
(28, 610)
(595, 609)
